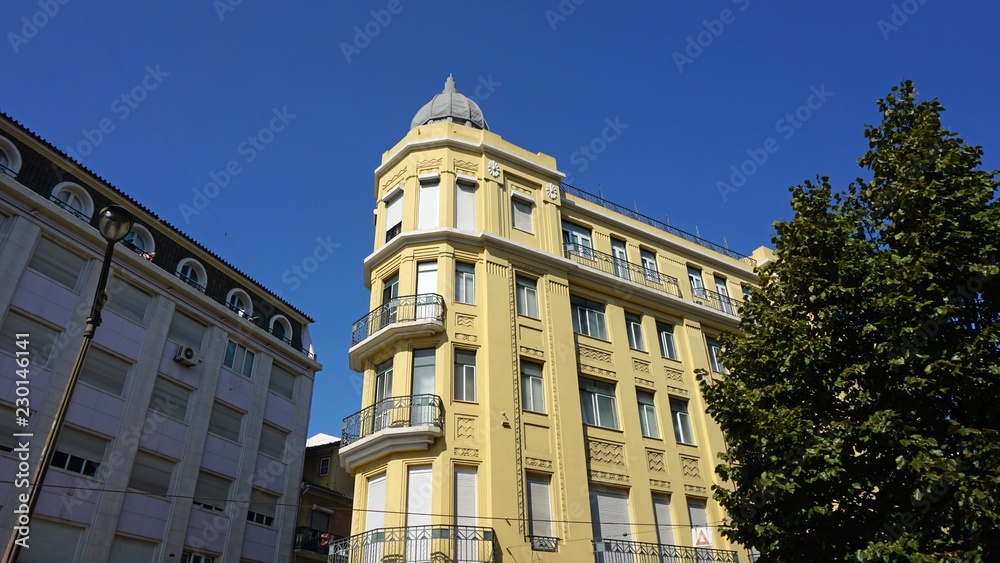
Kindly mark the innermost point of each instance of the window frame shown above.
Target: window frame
(532, 400)
(462, 371)
(582, 310)
(232, 353)
(667, 351)
(681, 419)
(591, 392)
(526, 212)
(200, 282)
(528, 298)
(465, 279)
(633, 325)
(714, 350)
(647, 414)
(324, 467)
(222, 408)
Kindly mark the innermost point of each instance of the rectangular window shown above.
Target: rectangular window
(597, 400)
(105, 372)
(272, 441)
(60, 544)
(466, 513)
(225, 422)
(527, 297)
(588, 318)
(419, 487)
(185, 330)
(465, 376)
(697, 284)
(532, 388)
(427, 214)
(539, 505)
(211, 492)
(282, 382)
(239, 359)
(713, 355)
(57, 263)
(465, 283)
(151, 473)
(393, 216)
(682, 422)
(724, 302)
(129, 550)
(188, 557)
(649, 268)
(647, 415)
(633, 323)
(8, 427)
(521, 211)
(42, 340)
(576, 240)
(263, 506)
(620, 257)
(128, 301)
(465, 206)
(610, 514)
(324, 467)
(668, 349)
(375, 517)
(170, 399)
(664, 523)
(79, 452)
(382, 417)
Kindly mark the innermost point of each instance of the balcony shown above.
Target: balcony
(403, 317)
(395, 424)
(314, 541)
(418, 544)
(619, 551)
(621, 268)
(715, 300)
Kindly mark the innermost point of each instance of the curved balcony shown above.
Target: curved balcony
(418, 544)
(403, 317)
(620, 551)
(396, 424)
(622, 269)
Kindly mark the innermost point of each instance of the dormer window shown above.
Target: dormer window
(192, 273)
(74, 199)
(240, 303)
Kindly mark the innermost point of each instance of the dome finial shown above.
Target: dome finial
(449, 85)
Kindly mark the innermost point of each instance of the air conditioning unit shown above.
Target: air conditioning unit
(187, 356)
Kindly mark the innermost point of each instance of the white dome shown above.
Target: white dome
(449, 105)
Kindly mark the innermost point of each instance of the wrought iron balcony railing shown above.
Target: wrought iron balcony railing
(622, 268)
(316, 541)
(423, 307)
(418, 544)
(544, 543)
(587, 196)
(619, 551)
(393, 412)
(717, 301)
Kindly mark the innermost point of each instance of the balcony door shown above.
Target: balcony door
(610, 515)
(422, 389)
(466, 536)
(576, 240)
(725, 304)
(390, 302)
(419, 487)
(383, 392)
(697, 284)
(621, 259)
(427, 278)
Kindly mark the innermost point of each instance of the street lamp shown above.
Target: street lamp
(114, 223)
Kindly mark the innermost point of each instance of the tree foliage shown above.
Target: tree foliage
(862, 405)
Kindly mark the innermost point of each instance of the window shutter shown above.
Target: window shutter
(393, 211)
(104, 371)
(211, 490)
(427, 217)
(697, 512)
(225, 422)
(375, 518)
(170, 399)
(151, 474)
(661, 511)
(282, 382)
(609, 509)
(130, 550)
(61, 542)
(87, 446)
(539, 501)
(185, 330)
(56, 263)
(418, 496)
(465, 497)
(465, 207)
(128, 301)
(272, 442)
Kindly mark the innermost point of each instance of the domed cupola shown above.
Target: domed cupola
(449, 105)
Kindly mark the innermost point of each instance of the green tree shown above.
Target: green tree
(862, 405)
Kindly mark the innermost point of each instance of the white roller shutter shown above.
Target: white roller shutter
(394, 211)
(609, 510)
(427, 217)
(465, 207)
(539, 500)
(375, 518)
(465, 497)
(418, 496)
(664, 528)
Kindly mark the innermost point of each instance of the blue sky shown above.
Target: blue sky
(305, 96)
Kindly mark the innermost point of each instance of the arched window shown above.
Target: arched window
(140, 240)
(192, 273)
(239, 301)
(10, 158)
(281, 328)
(74, 199)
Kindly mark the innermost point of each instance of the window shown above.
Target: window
(105, 372)
(647, 415)
(74, 199)
(383, 390)
(521, 210)
(588, 318)
(610, 514)
(281, 328)
(272, 441)
(576, 240)
(527, 297)
(697, 285)
(539, 505)
(664, 526)
(633, 323)
(465, 376)
(427, 212)
(597, 400)
(61, 541)
(427, 300)
(239, 359)
(375, 517)
(650, 271)
(10, 158)
(393, 216)
(465, 283)
(141, 241)
(239, 302)
(419, 490)
(724, 302)
(127, 301)
(465, 206)
(42, 341)
(422, 388)
(466, 512)
(57, 263)
(185, 330)
(192, 273)
(151, 473)
(129, 550)
(714, 351)
(225, 422)
(324, 467)
(620, 256)
(211, 492)
(532, 389)
(746, 292)
(79, 452)
(698, 514)
(668, 349)
(188, 557)
(319, 520)
(282, 382)
(262, 507)
(170, 399)
(682, 422)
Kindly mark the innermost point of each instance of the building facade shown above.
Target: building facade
(529, 363)
(326, 501)
(183, 439)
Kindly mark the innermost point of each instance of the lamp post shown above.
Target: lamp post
(114, 223)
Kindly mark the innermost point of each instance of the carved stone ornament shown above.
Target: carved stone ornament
(494, 168)
(552, 191)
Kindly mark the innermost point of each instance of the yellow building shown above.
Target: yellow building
(325, 500)
(528, 361)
